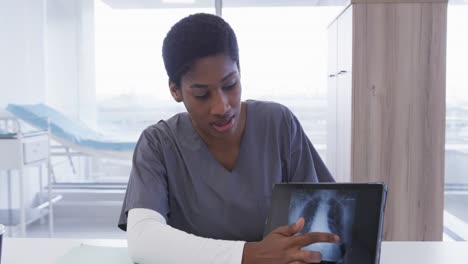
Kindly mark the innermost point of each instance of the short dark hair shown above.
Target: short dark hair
(194, 37)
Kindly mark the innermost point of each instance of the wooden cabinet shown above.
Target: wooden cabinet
(386, 118)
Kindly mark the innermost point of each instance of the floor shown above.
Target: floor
(92, 214)
(456, 215)
(81, 214)
(87, 228)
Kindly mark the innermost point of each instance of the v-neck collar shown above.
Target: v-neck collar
(210, 155)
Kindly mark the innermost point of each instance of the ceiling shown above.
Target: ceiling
(142, 4)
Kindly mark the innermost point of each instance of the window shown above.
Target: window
(282, 53)
(131, 82)
(456, 146)
(283, 59)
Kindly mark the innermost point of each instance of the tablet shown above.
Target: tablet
(353, 211)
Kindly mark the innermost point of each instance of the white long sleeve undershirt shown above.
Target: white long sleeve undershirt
(151, 240)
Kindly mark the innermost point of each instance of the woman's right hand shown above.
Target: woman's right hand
(282, 246)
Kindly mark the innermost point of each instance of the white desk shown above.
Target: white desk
(47, 251)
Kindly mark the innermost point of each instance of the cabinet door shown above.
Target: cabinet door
(10, 154)
(345, 41)
(332, 98)
(344, 96)
(35, 148)
(343, 134)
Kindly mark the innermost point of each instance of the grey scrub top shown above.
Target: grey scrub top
(176, 175)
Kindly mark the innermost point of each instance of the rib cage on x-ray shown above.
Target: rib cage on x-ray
(325, 211)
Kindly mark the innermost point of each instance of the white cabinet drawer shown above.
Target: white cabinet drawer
(35, 149)
(10, 154)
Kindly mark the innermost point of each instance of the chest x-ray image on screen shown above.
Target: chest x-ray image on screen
(325, 211)
(353, 211)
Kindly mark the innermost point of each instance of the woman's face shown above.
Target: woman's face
(211, 92)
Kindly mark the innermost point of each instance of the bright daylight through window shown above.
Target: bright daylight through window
(283, 58)
(456, 138)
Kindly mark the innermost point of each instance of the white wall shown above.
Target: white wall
(46, 56)
(70, 58)
(21, 52)
(21, 70)
(62, 74)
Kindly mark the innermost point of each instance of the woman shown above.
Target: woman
(201, 181)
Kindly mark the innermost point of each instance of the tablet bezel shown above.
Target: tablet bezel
(280, 212)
